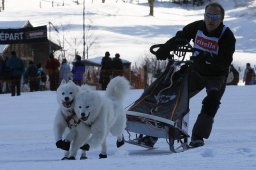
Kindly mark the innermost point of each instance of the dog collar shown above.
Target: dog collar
(71, 120)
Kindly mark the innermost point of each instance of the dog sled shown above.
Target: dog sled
(162, 111)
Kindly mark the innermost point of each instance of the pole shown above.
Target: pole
(50, 47)
(84, 30)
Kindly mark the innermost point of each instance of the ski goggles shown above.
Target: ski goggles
(213, 17)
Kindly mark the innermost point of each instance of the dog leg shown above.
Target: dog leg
(66, 155)
(71, 135)
(74, 148)
(103, 153)
(82, 135)
(84, 148)
(120, 141)
(98, 136)
(59, 127)
(83, 155)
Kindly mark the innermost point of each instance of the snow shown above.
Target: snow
(27, 141)
(26, 122)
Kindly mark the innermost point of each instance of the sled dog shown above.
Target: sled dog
(65, 117)
(102, 114)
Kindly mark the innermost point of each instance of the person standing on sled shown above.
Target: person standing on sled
(214, 45)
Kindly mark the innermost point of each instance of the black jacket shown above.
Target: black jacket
(221, 62)
(106, 63)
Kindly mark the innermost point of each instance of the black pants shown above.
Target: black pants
(34, 84)
(15, 84)
(215, 88)
(54, 81)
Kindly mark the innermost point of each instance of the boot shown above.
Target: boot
(203, 127)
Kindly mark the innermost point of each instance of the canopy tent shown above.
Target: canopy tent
(96, 61)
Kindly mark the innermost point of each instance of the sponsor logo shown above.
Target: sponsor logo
(207, 44)
(164, 99)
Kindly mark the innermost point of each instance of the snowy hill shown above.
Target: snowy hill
(127, 28)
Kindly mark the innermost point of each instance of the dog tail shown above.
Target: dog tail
(117, 88)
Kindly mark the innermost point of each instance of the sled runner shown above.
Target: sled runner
(162, 111)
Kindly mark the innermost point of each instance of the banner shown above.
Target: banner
(23, 35)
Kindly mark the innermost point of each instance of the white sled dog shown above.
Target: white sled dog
(65, 117)
(103, 114)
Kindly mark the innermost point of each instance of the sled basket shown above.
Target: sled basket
(162, 110)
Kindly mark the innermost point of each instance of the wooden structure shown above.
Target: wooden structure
(37, 52)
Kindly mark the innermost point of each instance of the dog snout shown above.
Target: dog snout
(83, 114)
(66, 99)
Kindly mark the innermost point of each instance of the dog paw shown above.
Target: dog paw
(64, 145)
(71, 158)
(83, 157)
(64, 158)
(85, 147)
(121, 143)
(102, 156)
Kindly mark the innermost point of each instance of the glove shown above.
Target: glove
(85, 147)
(180, 41)
(162, 53)
(206, 57)
(64, 145)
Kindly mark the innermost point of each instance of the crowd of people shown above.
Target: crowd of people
(110, 68)
(41, 76)
(13, 71)
(248, 78)
(14, 75)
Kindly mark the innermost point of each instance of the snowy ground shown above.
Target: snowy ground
(27, 141)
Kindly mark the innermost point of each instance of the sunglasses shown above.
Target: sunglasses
(214, 17)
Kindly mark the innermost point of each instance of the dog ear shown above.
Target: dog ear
(70, 81)
(63, 81)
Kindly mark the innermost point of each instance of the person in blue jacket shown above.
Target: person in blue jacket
(15, 67)
(78, 70)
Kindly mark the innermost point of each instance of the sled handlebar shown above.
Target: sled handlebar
(153, 47)
(180, 51)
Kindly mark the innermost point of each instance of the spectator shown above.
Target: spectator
(249, 75)
(42, 76)
(1, 73)
(233, 76)
(78, 70)
(5, 77)
(106, 70)
(65, 71)
(52, 66)
(117, 66)
(32, 76)
(16, 68)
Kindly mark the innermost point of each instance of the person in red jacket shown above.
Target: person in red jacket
(214, 45)
(52, 66)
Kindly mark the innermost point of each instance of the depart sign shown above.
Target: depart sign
(23, 35)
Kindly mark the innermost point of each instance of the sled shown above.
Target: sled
(162, 110)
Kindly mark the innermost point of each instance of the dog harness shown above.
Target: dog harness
(72, 120)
